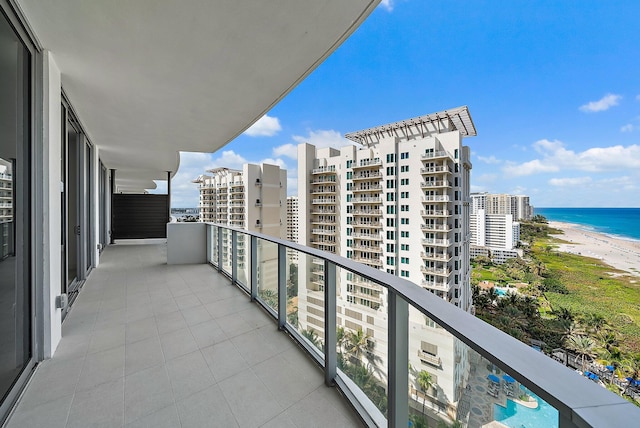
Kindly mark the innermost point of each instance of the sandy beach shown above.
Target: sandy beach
(618, 253)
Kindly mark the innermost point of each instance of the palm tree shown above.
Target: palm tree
(492, 294)
(609, 339)
(312, 336)
(356, 344)
(631, 367)
(594, 321)
(419, 421)
(584, 346)
(425, 382)
(340, 338)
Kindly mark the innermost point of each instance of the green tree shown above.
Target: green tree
(584, 346)
(356, 344)
(312, 336)
(425, 382)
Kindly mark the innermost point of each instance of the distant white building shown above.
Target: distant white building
(495, 231)
(516, 205)
(253, 199)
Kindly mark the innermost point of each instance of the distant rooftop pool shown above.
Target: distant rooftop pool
(518, 416)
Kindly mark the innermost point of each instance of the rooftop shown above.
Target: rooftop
(453, 119)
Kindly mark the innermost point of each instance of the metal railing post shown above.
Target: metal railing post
(234, 258)
(282, 286)
(253, 281)
(398, 361)
(219, 248)
(330, 333)
(209, 243)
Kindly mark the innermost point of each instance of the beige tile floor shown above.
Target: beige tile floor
(152, 345)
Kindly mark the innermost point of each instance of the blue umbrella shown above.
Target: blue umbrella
(494, 378)
(610, 368)
(508, 378)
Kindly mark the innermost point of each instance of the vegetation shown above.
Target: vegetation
(568, 301)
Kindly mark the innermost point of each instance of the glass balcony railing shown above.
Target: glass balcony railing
(401, 355)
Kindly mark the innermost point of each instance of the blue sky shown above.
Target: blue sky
(553, 89)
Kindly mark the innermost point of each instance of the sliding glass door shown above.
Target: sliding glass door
(16, 313)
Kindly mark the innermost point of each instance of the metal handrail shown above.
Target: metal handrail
(579, 402)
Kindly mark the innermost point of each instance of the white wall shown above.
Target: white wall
(52, 112)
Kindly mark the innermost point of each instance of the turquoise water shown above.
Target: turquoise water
(616, 222)
(517, 416)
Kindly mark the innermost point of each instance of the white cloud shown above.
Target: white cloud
(604, 103)
(556, 157)
(387, 4)
(627, 128)
(320, 138)
(527, 168)
(266, 126)
(570, 181)
(323, 138)
(288, 150)
(486, 178)
(229, 159)
(491, 160)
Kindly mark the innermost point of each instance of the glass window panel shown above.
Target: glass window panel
(15, 315)
(362, 334)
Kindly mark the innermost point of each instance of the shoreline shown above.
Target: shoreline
(616, 252)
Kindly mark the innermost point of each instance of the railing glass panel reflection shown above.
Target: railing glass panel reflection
(402, 356)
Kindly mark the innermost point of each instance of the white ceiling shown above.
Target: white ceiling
(149, 78)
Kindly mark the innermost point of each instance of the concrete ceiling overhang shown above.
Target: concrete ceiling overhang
(150, 78)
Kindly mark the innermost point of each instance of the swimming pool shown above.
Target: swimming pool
(518, 416)
(501, 291)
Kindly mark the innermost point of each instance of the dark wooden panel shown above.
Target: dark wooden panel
(140, 216)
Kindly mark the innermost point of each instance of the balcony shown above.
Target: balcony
(436, 285)
(150, 341)
(373, 236)
(367, 188)
(366, 212)
(375, 225)
(435, 213)
(435, 270)
(434, 360)
(436, 198)
(323, 201)
(367, 163)
(434, 227)
(151, 344)
(436, 242)
(436, 155)
(436, 170)
(366, 200)
(435, 184)
(436, 256)
(324, 170)
(373, 175)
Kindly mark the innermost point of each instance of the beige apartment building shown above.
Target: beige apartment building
(397, 200)
(254, 199)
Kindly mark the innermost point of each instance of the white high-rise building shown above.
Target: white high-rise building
(495, 232)
(516, 205)
(6, 209)
(292, 224)
(252, 198)
(399, 201)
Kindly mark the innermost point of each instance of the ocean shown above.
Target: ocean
(616, 222)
